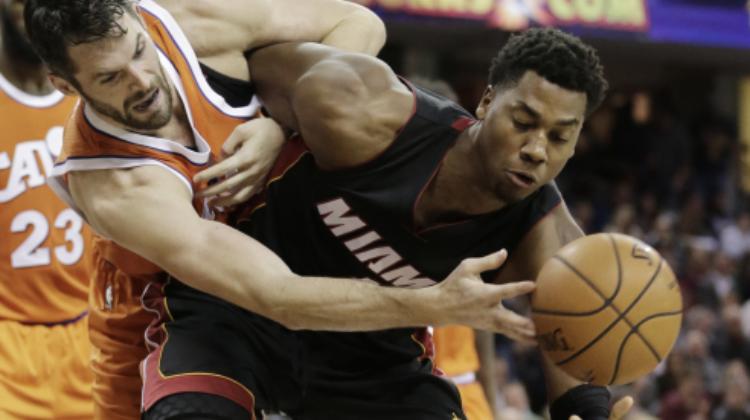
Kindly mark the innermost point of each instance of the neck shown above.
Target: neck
(460, 188)
(29, 77)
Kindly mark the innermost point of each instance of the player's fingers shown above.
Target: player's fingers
(220, 169)
(621, 408)
(486, 263)
(515, 336)
(511, 290)
(230, 184)
(237, 198)
(238, 136)
(215, 190)
(512, 321)
(254, 176)
(523, 336)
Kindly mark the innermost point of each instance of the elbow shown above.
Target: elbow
(329, 87)
(292, 324)
(374, 29)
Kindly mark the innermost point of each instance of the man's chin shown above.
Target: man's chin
(513, 196)
(151, 123)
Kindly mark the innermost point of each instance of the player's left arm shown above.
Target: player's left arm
(485, 342)
(218, 27)
(568, 396)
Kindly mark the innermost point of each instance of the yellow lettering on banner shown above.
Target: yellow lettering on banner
(590, 10)
(603, 13)
(562, 9)
(458, 6)
(392, 4)
(627, 12)
(481, 7)
(427, 5)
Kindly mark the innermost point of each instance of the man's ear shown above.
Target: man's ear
(63, 85)
(484, 103)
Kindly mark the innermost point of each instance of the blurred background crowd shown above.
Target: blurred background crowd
(665, 159)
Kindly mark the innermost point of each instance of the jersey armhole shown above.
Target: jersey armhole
(59, 183)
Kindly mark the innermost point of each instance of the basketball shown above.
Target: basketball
(607, 309)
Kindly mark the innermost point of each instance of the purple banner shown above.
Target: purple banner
(714, 23)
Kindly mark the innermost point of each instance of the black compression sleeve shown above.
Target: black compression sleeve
(588, 402)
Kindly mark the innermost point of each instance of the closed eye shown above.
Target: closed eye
(108, 78)
(558, 138)
(521, 126)
(139, 51)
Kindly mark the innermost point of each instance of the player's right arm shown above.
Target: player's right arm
(485, 343)
(148, 210)
(568, 396)
(348, 107)
(221, 31)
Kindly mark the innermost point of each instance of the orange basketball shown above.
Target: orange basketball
(607, 309)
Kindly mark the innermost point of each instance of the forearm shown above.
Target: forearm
(361, 32)
(149, 211)
(226, 263)
(486, 350)
(558, 382)
(276, 70)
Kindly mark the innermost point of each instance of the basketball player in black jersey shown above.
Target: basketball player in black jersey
(155, 211)
(397, 184)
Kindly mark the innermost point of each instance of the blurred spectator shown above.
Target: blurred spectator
(737, 346)
(735, 404)
(696, 347)
(735, 238)
(624, 221)
(515, 403)
(689, 401)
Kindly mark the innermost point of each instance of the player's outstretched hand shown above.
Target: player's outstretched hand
(619, 410)
(249, 153)
(465, 299)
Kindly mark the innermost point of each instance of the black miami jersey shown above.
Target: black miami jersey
(359, 223)
(356, 223)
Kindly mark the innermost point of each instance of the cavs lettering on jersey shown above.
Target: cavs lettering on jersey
(118, 320)
(44, 269)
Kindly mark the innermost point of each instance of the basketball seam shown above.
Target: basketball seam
(630, 334)
(621, 314)
(607, 301)
(624, 316)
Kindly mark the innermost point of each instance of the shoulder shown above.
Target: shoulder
(551, 233)
(350, 108)
(110, 196)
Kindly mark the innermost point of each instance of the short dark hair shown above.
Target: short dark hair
(560, 58)
(54, 25)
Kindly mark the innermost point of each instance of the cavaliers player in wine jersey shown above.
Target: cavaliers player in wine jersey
(147, 122)
(45, 264)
